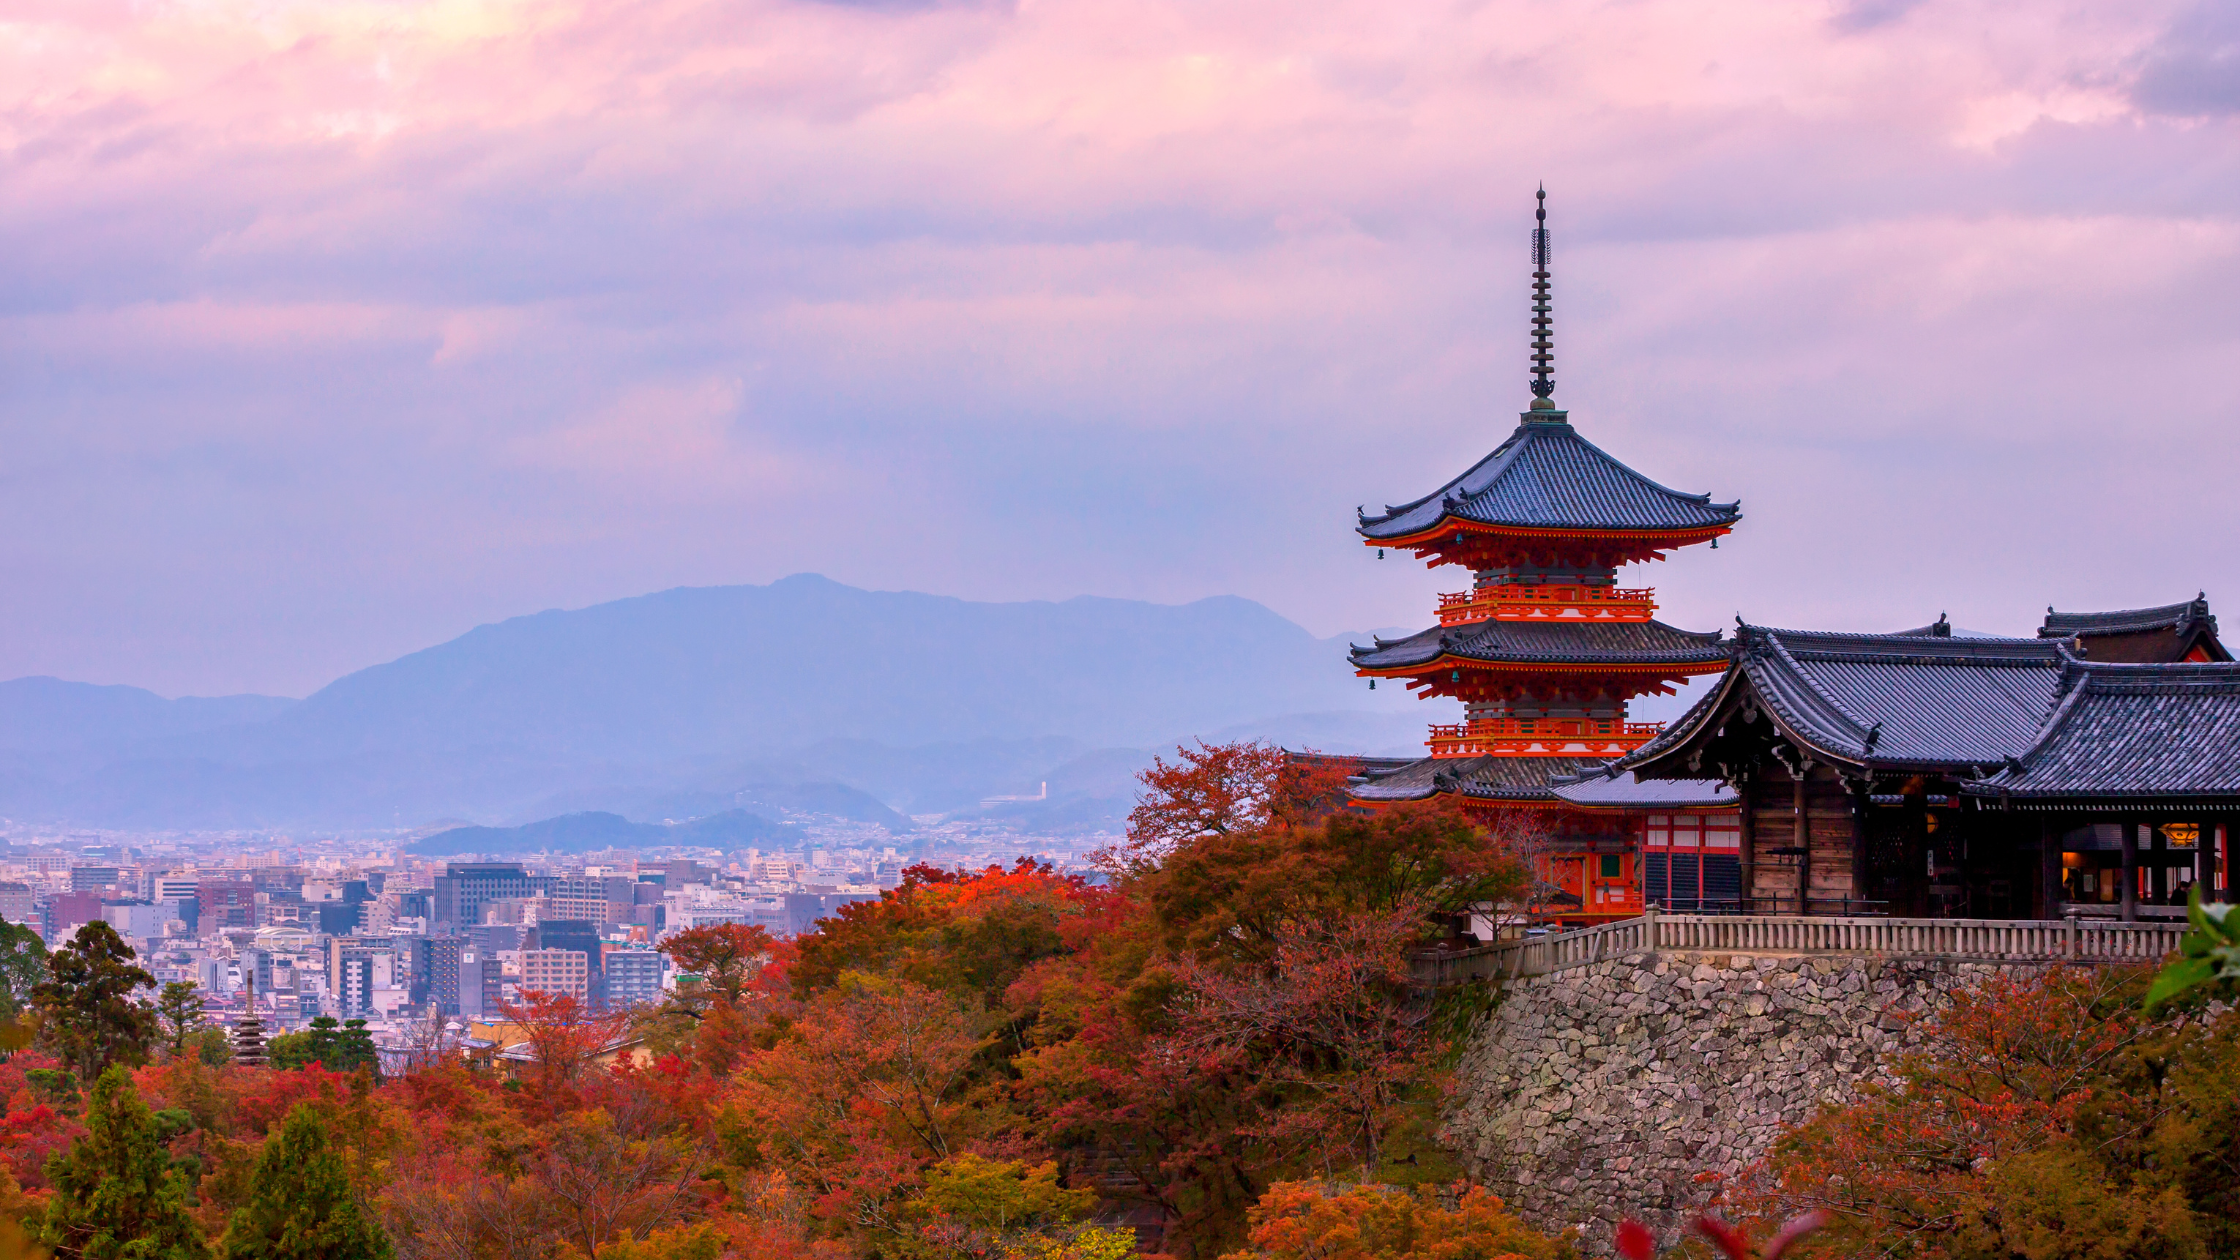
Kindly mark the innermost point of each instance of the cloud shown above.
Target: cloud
(2193, 70)
(331, 327)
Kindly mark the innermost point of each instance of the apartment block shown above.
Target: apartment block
(631, 976)
(556, 971)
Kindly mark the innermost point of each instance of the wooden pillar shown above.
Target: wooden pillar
(1745, 897)
(2128, 892)
(2205, 860)
(1862, 806)
(2049, 870)
(2158, 866)
(1804, 842)
(2224, 858)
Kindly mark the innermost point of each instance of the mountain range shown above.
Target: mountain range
(804, 695)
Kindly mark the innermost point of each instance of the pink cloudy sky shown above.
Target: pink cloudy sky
(330, 328)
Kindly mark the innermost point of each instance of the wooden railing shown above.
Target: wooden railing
(1982, 940)
(1546, 603)
(1541, 737)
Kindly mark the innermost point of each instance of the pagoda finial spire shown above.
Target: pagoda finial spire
(1543, 335)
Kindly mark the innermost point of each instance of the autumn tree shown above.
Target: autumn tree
(725, 957)
(972, 1206)
(88, 1015)
(867, 1090)
(2041, 1116)
(1222, 790)
(117, 1195)
(564, 1035)
(1228, 897)
(972, 934)
(1328, 1027)
(606, 1184)
(301, 1206)
(1326, 1221)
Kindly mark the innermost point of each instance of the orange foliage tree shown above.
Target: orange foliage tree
(1222, 790)
(2042, 1115)
(1319, 1221)
(1249, 1016)
(1330, 1024)
(727, 957)
(865, 1093)
(564, 1035)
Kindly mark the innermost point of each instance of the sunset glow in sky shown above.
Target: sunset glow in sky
(329, 329)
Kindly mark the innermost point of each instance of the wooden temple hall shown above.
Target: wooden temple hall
(2092, 769)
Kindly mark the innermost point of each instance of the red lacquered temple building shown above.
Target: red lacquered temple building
(1545, 649)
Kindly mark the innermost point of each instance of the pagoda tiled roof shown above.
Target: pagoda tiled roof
(2172, 617)
(1475, 778)
(2128, 731)
(1895, 700)
(1550, 643)
(1548, 477)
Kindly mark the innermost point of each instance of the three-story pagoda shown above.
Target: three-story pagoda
(1544, 648)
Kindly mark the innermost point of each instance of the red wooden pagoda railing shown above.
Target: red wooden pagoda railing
(1541, 737)
(1547, 603)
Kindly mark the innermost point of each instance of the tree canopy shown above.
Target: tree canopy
(117, 1193)
(90, 1014)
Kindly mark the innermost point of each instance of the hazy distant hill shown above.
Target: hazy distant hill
(41, 715)
(920, 701)
(582, 833)
(751, 668)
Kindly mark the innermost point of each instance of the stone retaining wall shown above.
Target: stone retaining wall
(1604, 1091)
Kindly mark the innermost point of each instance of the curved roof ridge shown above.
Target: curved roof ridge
(1619, 642)
(1546, 476)
(1820, 695)
(2125, 620)
(1514, 441)
(1928, 644)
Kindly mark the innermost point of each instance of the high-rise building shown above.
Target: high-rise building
(481, 981)
(598, 898)
(443, 956)
(579, 935)
(464, 887)
(556, 972)
(340, 918)
(93, 878)
(356, 966)
(630, 976)
(66, 913)
(227, 903)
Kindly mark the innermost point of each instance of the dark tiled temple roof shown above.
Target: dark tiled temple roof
(1898, 700)
(1548, 477)
(2173, 617)
(1478, 778)
(1550, 643)
(1615, 789)
(2132, 731)
(2173, 632)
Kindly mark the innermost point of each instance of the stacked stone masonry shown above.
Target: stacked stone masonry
(1605, 1091)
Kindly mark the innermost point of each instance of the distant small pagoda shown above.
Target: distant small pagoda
(248, 1031)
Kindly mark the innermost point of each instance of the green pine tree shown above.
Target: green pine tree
(116, 1194)
(300, 1205)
